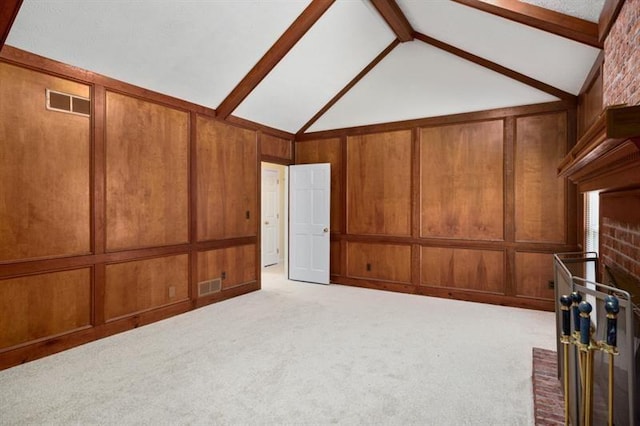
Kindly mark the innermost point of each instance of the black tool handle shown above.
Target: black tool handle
(585, 322)
(612, 306)
(565, 306)
(576, 298)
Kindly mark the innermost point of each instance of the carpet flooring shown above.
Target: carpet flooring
(295, 353)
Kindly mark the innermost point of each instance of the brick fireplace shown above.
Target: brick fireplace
(620, 245)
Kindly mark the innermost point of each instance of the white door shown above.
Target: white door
(309, 195)
(270, 217)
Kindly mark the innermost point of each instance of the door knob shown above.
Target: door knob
(325, 230)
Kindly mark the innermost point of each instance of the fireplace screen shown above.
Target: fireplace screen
(596, 375)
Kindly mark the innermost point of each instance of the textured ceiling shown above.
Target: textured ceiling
(588, 10)
(555, 60)
(200, 50)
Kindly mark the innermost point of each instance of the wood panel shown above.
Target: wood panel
(326, 151)
(40, 306)
(379, 184)
(44, 169)
(462, 181)
(275, 147)
(480, 270)
(237, 264)
(147, 174)
(590, 104)
(388, 262)
(227, 180)
(541, 142)
(335, 259)
(142, 285)
(534, 271)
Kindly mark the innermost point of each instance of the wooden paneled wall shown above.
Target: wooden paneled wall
(465, 206)
(110, 221)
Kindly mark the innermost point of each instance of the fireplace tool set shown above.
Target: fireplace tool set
(582, 338)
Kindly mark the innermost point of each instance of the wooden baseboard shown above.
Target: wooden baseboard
(23, 353)
(450, 293)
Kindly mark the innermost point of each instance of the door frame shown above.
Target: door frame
(284, 214)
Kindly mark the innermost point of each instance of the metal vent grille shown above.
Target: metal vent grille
(209, 287)
(71, 104)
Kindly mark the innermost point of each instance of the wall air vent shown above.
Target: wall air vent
(64, 102)
(209, 287)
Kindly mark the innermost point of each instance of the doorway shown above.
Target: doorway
(274, 208)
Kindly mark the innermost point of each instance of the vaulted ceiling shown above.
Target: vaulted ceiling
(310, 65)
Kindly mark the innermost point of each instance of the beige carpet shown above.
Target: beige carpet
(295, 353)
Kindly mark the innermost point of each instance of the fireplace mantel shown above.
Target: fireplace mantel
(607, 156)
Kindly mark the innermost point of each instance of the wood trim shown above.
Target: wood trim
(8, 14)
(536, 84)
(258, 251)
(509, 179)
(571, 191)
(608, 16)
(570, 27)
(395, 18)
(620, 206)
(490, 298)
(449, 293)
(349, 86)
(276, 160)
(416, 270)
(441, 120)
(345, 197)
(193, 203)
(279, 50)
(251, 125)
(231, 242)
(99, 280)
(619, 168)
(30, 351)
(38, 63)
(98, 155)
(611, 129)
(416, 178)
(593, 73)
(499, 245)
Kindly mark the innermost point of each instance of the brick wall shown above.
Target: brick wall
(622, 58)
(620, 245)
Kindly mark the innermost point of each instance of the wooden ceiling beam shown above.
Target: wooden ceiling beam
(279, 50)
(608, 17)
(348, 87)
(395, 18)
(8, 12)
(551, 21)
(496, 67)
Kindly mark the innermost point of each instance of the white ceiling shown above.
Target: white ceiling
(199, 50)
(417, 80)
(552, 59)
(347, 37)
(194, 50)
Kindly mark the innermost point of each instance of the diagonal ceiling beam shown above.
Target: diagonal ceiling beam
(8, 14)
(282, 46)
(496, 67)
(348, 87)
(551, 21)
(608, 16)
(391, 12)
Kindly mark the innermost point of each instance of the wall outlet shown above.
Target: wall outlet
(172, 292)
(223, 275)
(551, 284)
